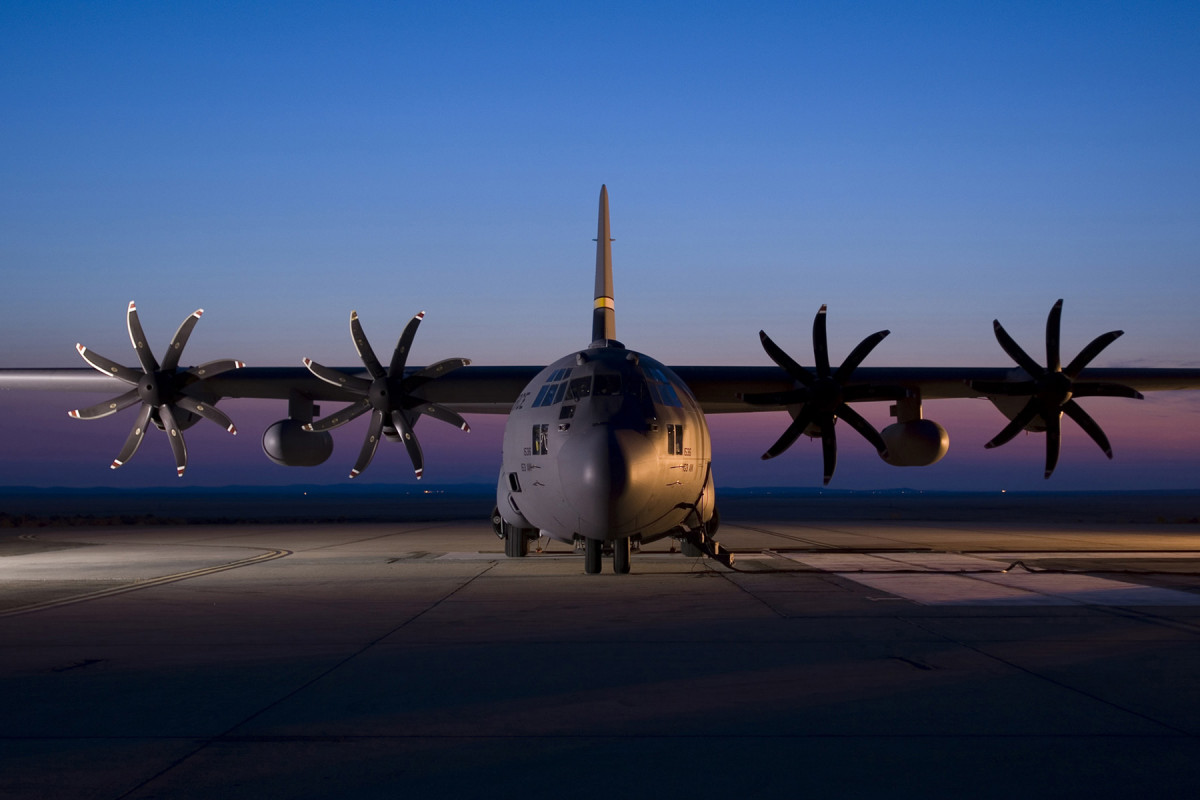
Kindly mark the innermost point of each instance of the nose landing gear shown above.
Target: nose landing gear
(594, 550)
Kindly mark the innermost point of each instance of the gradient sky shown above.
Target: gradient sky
(923, 167)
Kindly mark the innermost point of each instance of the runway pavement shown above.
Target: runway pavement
(844, 659)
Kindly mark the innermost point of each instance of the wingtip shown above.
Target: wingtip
(74, 413)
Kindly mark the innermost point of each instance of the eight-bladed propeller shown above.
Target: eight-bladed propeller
(825, 396)
(1051, 390)
(388, 395)
(162, 389)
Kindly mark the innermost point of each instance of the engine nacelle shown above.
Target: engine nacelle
(916, 443)
(287, 444)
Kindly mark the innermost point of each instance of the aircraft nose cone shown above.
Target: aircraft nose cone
(609, 475)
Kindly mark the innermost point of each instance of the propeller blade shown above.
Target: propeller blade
(821, 344)
(432, 372)
(1091, 351)
(1015, 426)
(1089, 425)
(1105, 390)
(107, 407)
(135, 436)
(858, 354)
(138, 337)
(175, 350)
(1053, 440)
(339, 418)
(335, 377)
(440, 412)
(403, 345)
(108, 366)
(208, 411)
(374, 429)
(828, 447)
(790, 435)
(364, 348)
(1053, 337)
(410, 442)
(213, 368)
(175, 437)
(786, 362)
(1015, 352)
(856, 421)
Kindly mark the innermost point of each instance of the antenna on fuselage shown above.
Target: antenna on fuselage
(604, 321)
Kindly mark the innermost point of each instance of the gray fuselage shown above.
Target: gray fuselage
(606, 444)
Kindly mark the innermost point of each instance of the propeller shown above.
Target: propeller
(1052, 389)
(388, 395)
(162, 389)
(824, 395)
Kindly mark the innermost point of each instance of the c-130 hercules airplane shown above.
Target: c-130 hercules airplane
(605, 447)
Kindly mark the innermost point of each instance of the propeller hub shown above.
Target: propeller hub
(380, 395)
(1057, 389)
(155, 388)
(825, 395)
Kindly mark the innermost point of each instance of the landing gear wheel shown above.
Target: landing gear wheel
(690, 550)
(516, 543)
(591, 556)
(621, 556)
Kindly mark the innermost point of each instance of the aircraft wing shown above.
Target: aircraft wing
(469, 390)
(720, 389)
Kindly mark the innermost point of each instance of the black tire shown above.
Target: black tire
(591, 556)
(621, 549)
(516, 542)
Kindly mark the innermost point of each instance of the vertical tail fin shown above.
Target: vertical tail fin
(604, 321)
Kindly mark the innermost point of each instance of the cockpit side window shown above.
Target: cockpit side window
(661, 389)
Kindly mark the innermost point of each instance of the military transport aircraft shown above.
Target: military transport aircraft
(605, 447)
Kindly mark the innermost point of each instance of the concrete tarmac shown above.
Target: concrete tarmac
(843, 659)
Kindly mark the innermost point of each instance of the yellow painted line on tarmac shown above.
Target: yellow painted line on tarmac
(270, 555)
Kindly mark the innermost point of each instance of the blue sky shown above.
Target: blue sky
(919, 167)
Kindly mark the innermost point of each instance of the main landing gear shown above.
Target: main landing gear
(516, 540)
(593, 552)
